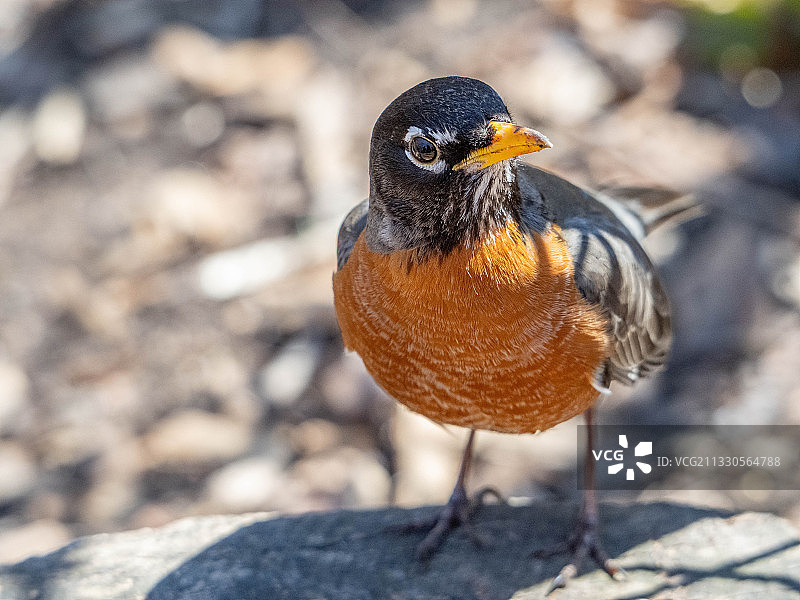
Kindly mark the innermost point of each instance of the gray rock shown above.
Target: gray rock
(668, 551)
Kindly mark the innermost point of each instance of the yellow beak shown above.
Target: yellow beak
(509, 140)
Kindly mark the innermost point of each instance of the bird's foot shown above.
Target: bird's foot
(585, 541)
(458, 512)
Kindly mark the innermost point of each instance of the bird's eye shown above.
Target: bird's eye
(424, 150)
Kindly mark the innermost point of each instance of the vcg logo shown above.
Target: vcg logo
(617, 458)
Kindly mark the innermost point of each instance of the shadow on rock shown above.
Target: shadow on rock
(358, 555)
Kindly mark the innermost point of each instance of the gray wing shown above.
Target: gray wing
(611, 270)
(351, 228)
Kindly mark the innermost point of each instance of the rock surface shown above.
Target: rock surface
(668, 551)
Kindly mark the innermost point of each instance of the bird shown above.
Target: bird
(486, 293)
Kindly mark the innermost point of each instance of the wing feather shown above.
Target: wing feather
(351, 228)
(611, 270)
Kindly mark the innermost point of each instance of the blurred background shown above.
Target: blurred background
(172, 175)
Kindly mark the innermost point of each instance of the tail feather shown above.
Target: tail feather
(650, 208)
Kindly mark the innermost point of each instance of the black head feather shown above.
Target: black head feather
(429, 206)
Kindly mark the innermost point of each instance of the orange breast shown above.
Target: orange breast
(492, 337)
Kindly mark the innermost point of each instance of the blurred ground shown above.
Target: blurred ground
(172, 174)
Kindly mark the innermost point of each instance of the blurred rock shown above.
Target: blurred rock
(128, 91)
(245, 485)
(370, 482)
(761, 87)
(203, 124)
(66, 444)
(325, 112)
(59, 127)
(645, 44)
(188, 53)
(452, 13)
(561, 83)
(115, 494)
(104, 309)
(267, 164)
(224, 376)
(347, 387)
(243, 270)
(256, 157)
(17, 472)
(248, 268)
(314, 436)
(243, 316)
(523, 465)
(345, 477)
(193, 203)
(289, 373)
(766, 383)
(274, 69)
(46, 505)
(392, 69)
(14, 387)
(114, 26)
(14, 15)
(15, 141)
(37, 537)
(428, 455)
(674, 150)
(155, 514)
(109, 502)
(779, 259)
(196, 437)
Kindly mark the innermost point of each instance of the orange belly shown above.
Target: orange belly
(493, 337)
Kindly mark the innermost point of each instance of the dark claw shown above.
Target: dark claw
(479, 499)
(453, 514)
(560, 580)
(458, 512)
(584, 542)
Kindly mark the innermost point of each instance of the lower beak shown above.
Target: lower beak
(508, 141)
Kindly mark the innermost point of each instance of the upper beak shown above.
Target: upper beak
(509, 140)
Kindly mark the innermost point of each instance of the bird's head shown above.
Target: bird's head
(442, 166)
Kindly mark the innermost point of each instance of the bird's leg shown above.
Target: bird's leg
(457, 511)
(585, 540)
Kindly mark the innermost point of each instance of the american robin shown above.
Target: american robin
(483, 292)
